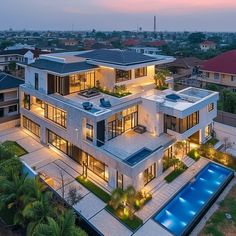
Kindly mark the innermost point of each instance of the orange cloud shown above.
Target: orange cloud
(139, 6)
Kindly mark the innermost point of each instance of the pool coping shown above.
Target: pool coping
(189, 228)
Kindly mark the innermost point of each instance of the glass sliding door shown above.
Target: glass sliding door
(149, 174)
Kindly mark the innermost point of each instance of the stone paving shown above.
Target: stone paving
(166, 191)
(54, 165)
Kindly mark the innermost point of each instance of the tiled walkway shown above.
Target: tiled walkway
(54, 165)
(166, 191)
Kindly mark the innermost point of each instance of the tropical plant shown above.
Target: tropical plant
(117, 196)
(180, 146)
(63, 225)
(12, 194)
(36, 212)
(129, 196)
(5, 153)
(160, 78)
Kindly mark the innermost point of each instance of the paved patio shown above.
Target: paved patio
(53, 166)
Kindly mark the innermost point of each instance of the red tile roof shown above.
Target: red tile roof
(157, 43)
(223, 63)
(208, 43)
(131, 42)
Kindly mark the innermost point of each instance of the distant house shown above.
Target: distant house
(23, 56)
(221, 70)
(9, 100)
(156, 43)
(184, 67)
(131, 42)
(71, 43)
(207, 45)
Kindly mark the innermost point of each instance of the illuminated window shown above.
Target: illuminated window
(89, 132)
(123, 75)
(210, 107)
(141, 72)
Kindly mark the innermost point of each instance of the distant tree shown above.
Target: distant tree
(196, 38)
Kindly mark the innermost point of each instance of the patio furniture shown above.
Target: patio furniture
(87, 106)
(140, 129)
(89, 93)
(105, 103)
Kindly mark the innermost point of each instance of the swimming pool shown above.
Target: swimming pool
(186, 207)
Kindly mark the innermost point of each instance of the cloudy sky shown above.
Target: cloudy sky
(172, 15)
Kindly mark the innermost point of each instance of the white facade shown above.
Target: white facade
(106, 134)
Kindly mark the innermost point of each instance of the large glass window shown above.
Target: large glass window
(98, 167)
(119, 180)
(58, 142)
(141, 72)
(89, 132)
(122, 121)
(181, 125)
(31, 126)
(27, 101)
(149, 174)
(56, 115)
(83, 81)
(211, 107)
(123, 75)
(1, 97)
(12, 108)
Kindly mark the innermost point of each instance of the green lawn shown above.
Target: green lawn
(100, 193)
(15, 147)
(133, 224)
(174, 174)
(218, 225)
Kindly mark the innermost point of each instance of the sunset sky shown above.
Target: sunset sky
(172, 15)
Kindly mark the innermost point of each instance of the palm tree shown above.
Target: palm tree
(117, 197)
(129, 196)
(37, 211)
(12, 193)
(64, 225)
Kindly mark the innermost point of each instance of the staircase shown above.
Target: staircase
(188, 161)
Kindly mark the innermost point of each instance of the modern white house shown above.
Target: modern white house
(121, 131)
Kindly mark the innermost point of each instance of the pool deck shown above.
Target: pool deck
(167, 190)
(52, 164)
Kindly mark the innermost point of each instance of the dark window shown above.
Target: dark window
(56, 115)
(27, 101)
(89, 132)
(36, 81)
(31, 126)
(123, 75)
(12, 108)
(141, 72)
(119, 180)
(1, 97)
(181, 125)
(210, 107)
(1, 112)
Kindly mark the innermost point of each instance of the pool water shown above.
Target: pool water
(138, 156)
(180, 212)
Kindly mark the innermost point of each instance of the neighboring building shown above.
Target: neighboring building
(71, 42)
(9, 100)
(18, 46)
(184, 67)
(220, 70)
(118, 141)
(207, 45)
(21, 56)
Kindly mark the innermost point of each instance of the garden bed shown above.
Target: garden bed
(212, 141)
(100, 193)
(174, 174)
(133, 224)
(15, 147)
(118, 95)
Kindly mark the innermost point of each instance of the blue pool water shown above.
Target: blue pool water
(179, 213)
(138, 156)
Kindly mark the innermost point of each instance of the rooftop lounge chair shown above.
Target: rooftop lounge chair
(105, 103)
(87, 105)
